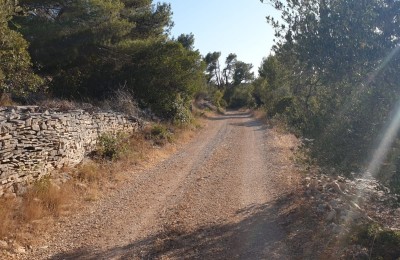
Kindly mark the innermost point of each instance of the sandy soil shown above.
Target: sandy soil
(218, 197)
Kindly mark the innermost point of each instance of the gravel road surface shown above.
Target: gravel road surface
(215, 198)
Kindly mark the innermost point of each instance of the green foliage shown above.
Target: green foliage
(242, 96)
(187, 41)
(16, 76)
(164, 76)
(182, 114)
(382, 243)
(337, 63)
(112, 146)
(159, 134)
(96, 47)
(218, 99)
(242, 73)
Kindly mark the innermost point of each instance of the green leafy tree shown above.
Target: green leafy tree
(213, 70)
(16, 76)
(340, 58)
(187, 41)
(162, 73)
(242, 73)
(230, 65)
(79, 50)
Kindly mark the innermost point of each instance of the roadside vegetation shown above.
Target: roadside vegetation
(332, 79)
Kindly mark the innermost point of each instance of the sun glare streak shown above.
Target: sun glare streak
(384, 145)
(390, 132)
(383, 64)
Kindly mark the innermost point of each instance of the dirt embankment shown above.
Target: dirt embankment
(223, 196)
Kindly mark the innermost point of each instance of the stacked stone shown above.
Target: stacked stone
(33, 142)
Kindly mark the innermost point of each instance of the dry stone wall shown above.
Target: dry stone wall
(34, 142)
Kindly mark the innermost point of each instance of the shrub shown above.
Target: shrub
(181, 112)
(111, 147)
(242, 97)
(159, 134)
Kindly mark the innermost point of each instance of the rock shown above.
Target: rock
(336, 229)
(321, 208)
(3, 244)
(335, 187)
(39, 142)
(81, 186)
(19, 249)
(10, 195)
(331, 216)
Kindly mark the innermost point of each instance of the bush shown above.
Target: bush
(242, 96)
(181, 112)
(159, 134)
(111, 147)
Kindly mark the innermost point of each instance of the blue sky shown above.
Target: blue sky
(237, 26)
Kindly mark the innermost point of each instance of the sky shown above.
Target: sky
(227, 26)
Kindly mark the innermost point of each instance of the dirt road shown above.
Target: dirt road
(214, 199)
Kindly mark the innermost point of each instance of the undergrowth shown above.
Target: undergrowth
(159, 134)
(382, 243)
(113, 146)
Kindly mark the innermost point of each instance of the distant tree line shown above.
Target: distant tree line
(231, 84)
(334, 77)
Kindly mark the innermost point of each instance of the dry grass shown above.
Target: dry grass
(5, 100)
(42, 199)
(7, 208)
(90, 172)
(58, 104)
(45, 198)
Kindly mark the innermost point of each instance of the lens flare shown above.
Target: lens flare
(390, 132)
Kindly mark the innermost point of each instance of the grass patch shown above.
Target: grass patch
(7, 209)
(89, 173)
(44, 198)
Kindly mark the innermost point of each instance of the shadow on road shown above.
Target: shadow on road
(230, 115)
(260, 126)
(256, 236)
